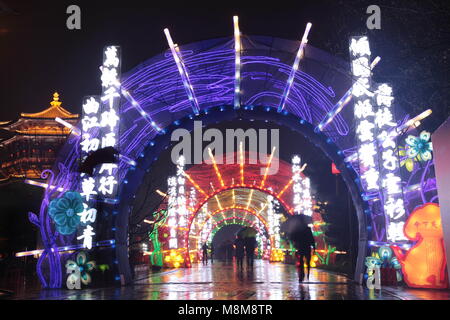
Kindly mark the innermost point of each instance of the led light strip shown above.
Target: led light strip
(141, 111)
(269, 163)
(237, 63)
(183, 73)
(216, 169)
(342, 103)
(295, 67)
(104, 243)
(42, 185)
(74, 129)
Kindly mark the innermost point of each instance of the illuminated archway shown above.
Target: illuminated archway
(237, 208)
(194, 239)
(225, 113)
(263, 233)
(152, 112)
(249, 199)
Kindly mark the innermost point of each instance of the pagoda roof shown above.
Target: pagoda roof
(54, 111)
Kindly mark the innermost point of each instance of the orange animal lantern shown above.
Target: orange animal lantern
(424, 265)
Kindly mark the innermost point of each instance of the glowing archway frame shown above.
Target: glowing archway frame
(250, 223)
(232, 209)
(237, 208)
(135, 175)
(244, 221)
(240, 186)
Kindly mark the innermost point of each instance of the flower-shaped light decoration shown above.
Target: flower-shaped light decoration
(416, 149)
(64, 212)
(83, 266)
(419, 147)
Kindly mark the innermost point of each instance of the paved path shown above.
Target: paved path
(220, 281)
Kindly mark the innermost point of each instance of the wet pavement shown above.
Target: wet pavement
(220, 281)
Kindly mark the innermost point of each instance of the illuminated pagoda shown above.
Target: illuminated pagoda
(35, 141)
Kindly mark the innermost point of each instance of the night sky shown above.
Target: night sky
(39, 55)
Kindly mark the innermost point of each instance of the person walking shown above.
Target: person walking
(205, 254)
(212, 253)
(303, 241)
(250, 245)
(239, 252)
(229, 252)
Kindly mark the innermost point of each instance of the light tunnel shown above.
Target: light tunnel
(246, 216)
(220, 199)
(214, 115)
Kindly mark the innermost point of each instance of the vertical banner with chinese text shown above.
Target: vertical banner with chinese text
(90, 142)
(109, 122)
(391, 185)
(364, 113)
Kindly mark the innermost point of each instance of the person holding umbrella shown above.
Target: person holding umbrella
(303, 243)
(297, 230)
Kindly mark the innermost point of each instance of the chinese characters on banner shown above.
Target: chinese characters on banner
(274, 222)
(109, 121)
(177, 211)
(364, 113)
(374, 120)
(90, 142)
(394, 208)
(301, 189)
(205, 221)
(100, 129)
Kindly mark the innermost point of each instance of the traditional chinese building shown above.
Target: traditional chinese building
(34, 141)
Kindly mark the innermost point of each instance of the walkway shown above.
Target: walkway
(220, 281)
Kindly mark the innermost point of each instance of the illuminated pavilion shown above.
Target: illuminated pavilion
(35, 142)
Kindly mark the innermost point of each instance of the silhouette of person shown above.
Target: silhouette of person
(239, 251)
(250, 245)
(205, 254)
(303, 241)
(212, 253)
(229, 251)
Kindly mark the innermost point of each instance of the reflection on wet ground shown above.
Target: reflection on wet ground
(221, 281)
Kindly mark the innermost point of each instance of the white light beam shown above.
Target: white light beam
(138, 107)
(183, 73)
(295, 67)
(237, 63)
